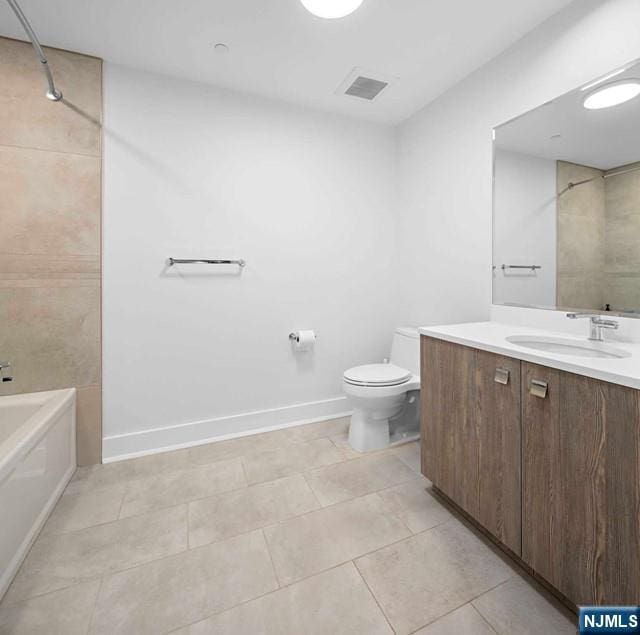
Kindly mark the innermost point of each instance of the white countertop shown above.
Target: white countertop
(491, 337)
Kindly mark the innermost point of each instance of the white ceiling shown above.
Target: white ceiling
(604, 139)
(279, 50)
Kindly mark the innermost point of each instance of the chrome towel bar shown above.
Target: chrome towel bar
(531, 267)
(201, 261)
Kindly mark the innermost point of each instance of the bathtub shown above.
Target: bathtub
(37, 459)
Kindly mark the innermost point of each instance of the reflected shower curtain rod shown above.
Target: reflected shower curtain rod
(53, 93)
(607, 175)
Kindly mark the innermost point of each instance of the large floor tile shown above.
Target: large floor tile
(173, 592)
(65, 612)
(335, 602)
(312, 431)
(306, 545)
(85, 509)
(518, 608)
(89, 478)
(290, 459)
(181, 486)
(428, 575)
(56, 562)
(415, 506)
(234, 448)
(410, 454)
(238, 512)
(358, 477)
(463, 621)
(341, 441)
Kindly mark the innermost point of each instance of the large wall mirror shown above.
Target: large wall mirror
(566, 205)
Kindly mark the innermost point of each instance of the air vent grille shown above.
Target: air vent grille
(366, 88)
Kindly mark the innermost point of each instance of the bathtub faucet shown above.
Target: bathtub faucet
(5, 366)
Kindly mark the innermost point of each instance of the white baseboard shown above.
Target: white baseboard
(134, 444)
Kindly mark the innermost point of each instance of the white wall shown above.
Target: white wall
(445, 153)
(306, 198)
(524, 228)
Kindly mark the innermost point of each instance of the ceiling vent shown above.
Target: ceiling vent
(363, 84)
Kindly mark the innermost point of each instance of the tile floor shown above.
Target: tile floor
(282, 533)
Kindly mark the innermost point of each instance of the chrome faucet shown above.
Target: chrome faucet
(597, 324)
(5, 366)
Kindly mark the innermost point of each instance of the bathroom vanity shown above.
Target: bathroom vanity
(540, 449)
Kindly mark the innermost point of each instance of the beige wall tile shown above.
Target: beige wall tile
(52, 337)
(89, 425)
(580, 291)
(28, 119)
(50, 203)
(622, 291)
(580, 237)
(50, 212)
(623, 192)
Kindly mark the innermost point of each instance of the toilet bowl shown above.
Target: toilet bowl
(384, 397)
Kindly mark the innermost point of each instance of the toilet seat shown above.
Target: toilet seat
(379, 375)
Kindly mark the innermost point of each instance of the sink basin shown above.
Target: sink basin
(573, 348)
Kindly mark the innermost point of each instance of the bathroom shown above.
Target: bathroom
(305, 307)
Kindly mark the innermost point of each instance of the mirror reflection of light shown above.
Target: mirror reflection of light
(612, 94)
(331, 8)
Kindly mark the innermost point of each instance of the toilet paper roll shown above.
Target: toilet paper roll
(305, 340)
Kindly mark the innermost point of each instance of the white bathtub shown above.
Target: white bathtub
(37, 459)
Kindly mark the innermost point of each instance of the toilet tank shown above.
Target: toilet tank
(405, 349)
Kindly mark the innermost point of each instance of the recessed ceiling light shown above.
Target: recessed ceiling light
(613, 94)
(331, 8)
(221, 49)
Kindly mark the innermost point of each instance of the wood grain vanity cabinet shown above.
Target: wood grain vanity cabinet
(547, 461)
(471, 433)
(581, 486)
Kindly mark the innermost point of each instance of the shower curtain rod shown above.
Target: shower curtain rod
(53, 93)
(594, 178)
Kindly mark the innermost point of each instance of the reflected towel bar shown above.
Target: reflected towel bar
(531, 267)
(180, 261)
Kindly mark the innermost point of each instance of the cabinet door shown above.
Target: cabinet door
(581, 486)
(497, 423)
(471, 433)
(447, 430)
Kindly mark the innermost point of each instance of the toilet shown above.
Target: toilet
(385, 397)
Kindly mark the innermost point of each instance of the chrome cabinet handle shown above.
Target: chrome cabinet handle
(538, 388)
(501, 376)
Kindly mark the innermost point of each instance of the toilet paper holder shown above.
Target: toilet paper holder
(295, 337)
